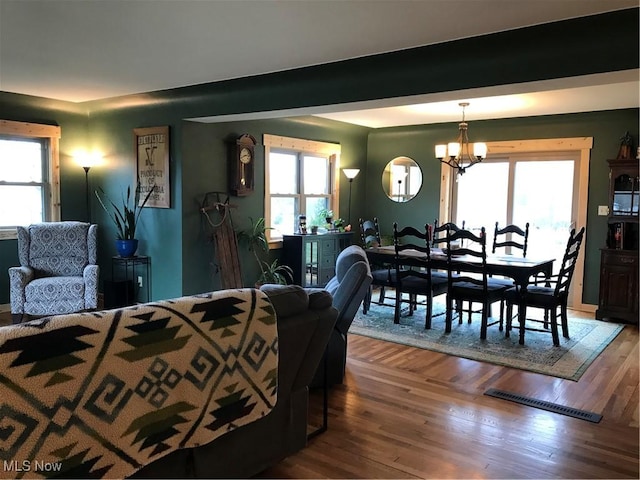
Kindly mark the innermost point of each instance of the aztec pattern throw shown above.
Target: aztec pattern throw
(102, 394)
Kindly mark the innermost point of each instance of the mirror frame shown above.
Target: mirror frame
(411, 174)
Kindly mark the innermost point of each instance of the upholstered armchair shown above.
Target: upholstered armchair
(57, 273)
(348, 287)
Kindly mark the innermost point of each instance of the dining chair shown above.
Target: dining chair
(504, 238)
(472, 282)
(384, 275)
(509, 237)
(554, 294)
(414, 276)
(438, 236)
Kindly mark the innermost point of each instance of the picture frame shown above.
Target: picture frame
(152, 159)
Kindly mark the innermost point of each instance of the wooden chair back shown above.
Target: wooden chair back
(438, 236)
(569, 261)
(370, 233)
(465, 242)
(504, 238)
(410, 238)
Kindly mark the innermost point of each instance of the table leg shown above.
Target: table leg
(522, 316)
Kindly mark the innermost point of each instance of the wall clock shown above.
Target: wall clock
(241, 165)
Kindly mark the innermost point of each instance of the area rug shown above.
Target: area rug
(570, 360)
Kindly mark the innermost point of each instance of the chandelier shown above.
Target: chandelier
(457, 154)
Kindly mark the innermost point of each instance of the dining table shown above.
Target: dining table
(520, 269)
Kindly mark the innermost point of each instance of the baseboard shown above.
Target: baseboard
(585, 307)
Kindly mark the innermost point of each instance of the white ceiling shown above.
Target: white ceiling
(81, 50)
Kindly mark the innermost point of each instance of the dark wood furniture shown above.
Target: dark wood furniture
(550, 298)
(510, 237)
(473, 284)
(313, 257)
(438, 235)
(619, 259)
(132, 280)
(383, 274)
(521, 270)
(413, 274)
(504, 238)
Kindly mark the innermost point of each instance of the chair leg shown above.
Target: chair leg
(381, 297)
(485, 320)
(366, 303)
(507, 332)
(501, 319)
(449, 315)
(16, 318)
(546, 318)
(429, 309)
(554, 327)
(398, 306)
(565, 322)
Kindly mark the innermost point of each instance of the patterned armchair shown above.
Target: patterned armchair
(57, 273)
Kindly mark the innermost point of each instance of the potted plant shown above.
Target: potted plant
(256, 239)
(327, 215)
(125, 218)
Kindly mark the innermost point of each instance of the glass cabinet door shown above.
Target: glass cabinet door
(625, 195)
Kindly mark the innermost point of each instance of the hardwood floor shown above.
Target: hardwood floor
(403, 412)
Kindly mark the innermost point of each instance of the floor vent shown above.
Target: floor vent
(544, 405)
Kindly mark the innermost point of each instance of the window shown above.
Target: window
(521, 189)
(29, 182)
(300, 179)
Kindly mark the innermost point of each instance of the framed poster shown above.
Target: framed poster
(152, 157)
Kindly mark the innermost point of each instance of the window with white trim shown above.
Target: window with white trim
(300, 179)
(29, 181)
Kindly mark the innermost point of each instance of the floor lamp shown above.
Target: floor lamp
(350, 173)
(86, 161)
(86, 190)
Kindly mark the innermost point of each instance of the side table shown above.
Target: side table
(133, 273)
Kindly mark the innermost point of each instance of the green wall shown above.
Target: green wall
(173, 237)
(418, 142)
(204, 170)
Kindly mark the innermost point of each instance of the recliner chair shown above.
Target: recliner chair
(348, 287)
(58, 273)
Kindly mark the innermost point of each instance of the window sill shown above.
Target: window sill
(275, 244)
(8, 234)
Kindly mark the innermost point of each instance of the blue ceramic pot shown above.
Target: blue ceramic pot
(126, 248)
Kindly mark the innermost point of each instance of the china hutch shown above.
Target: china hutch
(619, 259)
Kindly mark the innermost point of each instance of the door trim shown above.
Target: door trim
(582, 145)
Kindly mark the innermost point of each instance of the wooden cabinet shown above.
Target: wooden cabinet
(618, 285)
(313, 257)
(619, 260)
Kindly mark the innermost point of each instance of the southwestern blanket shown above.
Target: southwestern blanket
(102, 394)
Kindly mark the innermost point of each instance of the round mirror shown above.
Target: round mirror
(401, 179)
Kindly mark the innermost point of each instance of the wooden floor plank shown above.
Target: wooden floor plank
(404, 412)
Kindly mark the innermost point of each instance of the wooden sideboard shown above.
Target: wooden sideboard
(313, 257)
